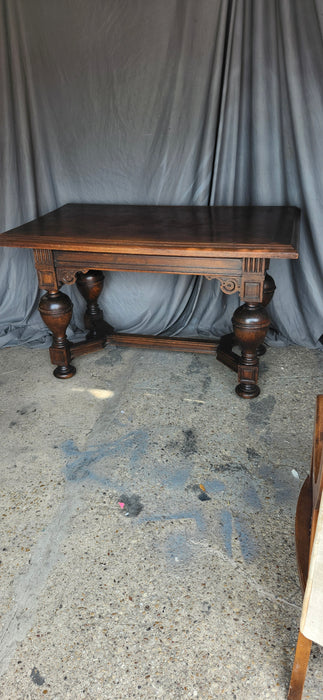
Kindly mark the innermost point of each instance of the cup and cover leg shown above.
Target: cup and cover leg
(250, 324)
(90, 285)
(56, 311)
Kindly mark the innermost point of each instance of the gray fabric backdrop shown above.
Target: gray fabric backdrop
(165, 102)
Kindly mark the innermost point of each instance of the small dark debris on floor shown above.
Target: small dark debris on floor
(36, 677)
(200, 491)
(131, 506)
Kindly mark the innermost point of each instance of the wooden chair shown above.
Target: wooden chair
(309, 549)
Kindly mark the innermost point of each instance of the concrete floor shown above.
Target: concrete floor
(121, 577)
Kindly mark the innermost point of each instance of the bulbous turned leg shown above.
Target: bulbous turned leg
(269, 288)
(90, 286)
(250, 325)
(56, 311)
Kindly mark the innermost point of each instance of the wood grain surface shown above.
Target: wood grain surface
(179, 230)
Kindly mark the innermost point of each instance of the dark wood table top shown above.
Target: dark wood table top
(270, 232)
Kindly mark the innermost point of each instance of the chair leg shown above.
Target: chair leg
(302, 655)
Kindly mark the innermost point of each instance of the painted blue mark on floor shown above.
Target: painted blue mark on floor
(247, 544)
(226, 530)
(79, 463)
(229, 523)
(80, 466)
(251, 498)
(178, 478)
(175, 479)
(284, 488)
(213, 486)
(190, 515)
(177, 548)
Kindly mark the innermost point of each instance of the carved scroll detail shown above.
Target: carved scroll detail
(229, 285)
(69, 276)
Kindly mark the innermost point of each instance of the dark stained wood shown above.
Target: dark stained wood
(250, 324)
(305, 525)
(84, 347)
(206, 346)
(56, 311)
(225, 353)
(90, 285)
(303, 522)
(210, 231)
(317, 459)
(269, 290)
(231, 244)
(126, 262)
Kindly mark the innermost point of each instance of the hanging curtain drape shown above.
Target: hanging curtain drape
(172, 102)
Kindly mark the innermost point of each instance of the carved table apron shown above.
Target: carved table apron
(234, 245)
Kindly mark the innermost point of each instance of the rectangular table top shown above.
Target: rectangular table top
(202, 231)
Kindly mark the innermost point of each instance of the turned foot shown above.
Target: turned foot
(250, 325)
(56, 311)
(90, 286)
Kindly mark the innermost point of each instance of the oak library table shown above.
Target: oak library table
(234, 245)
